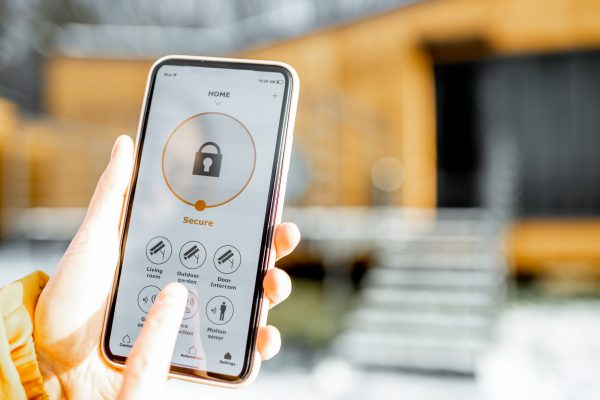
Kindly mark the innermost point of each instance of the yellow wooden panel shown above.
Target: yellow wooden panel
(536, 245)
(381, 61)
(95, 90)
(64, 161)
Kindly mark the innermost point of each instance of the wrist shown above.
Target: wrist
(53, 388)
(52, 384)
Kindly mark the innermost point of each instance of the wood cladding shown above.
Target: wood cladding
(375, 71)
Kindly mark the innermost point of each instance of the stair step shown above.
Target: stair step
(395, 340)
(424, 331)
(455, 362)
(432, 320)
(406, 259)
(443, 355)
(463, 279)
(405, 297)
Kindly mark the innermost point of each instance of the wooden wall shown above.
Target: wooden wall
(384, 63)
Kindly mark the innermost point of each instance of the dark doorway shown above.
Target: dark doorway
(458, 150)
(542, 108)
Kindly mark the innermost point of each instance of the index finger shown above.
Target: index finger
(150, 359)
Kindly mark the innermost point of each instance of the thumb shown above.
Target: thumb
(150, 359)
(82, 281)
(105, 209)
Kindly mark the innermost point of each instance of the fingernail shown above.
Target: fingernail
(115, 147)
(272, 347)
(296, 235)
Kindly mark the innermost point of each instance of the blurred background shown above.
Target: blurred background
(445, 176)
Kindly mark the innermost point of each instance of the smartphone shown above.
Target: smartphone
(211, 162)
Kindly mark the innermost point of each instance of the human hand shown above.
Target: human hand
(70, 311)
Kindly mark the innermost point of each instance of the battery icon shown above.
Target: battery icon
(279, 81)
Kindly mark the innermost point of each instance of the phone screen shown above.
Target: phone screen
(200, 209)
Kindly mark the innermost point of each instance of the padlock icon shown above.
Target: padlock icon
(208, 164)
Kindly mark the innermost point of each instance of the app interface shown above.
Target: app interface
(199, 207)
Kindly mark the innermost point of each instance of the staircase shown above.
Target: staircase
(429, 301)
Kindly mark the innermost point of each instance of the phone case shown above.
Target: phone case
(287, 140)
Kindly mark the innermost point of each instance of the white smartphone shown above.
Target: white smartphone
(211, 162)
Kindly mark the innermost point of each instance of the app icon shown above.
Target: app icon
(219, 310)
(227, 259)
(191, 306)
(158, 250)
(208, 160)
(192, 255)
(208, 164)
(147, 297)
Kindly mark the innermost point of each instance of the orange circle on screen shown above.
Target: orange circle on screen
(201, 204)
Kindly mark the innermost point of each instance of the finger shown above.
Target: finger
(149, 361)
(287, 237)
(277, 286)
(268, 342)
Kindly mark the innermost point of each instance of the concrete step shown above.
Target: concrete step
(364, 318)
(450, 355)
(438, 260)
(437, 299)
(464, 279)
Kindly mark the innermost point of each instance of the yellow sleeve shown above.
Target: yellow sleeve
(20, 376)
